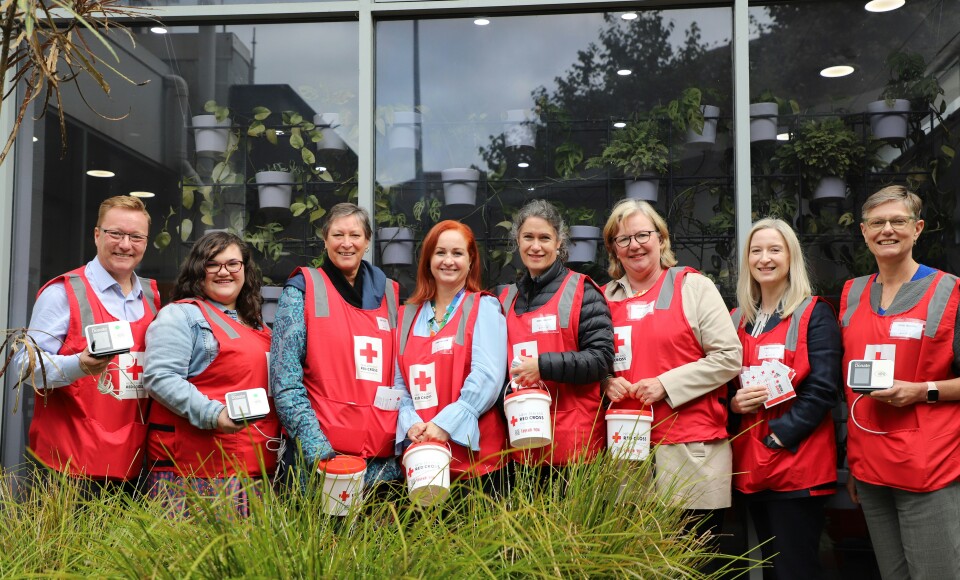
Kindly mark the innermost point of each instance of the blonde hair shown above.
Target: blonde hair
(122, 202)
(798, 281)
(623, 210)
(894, 193)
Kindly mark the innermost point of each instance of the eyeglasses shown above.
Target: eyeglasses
(641, 237)
(897, 223)
(117, 236)
(233, 266)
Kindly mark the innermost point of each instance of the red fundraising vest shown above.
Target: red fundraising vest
(76, 428)
(435, 369)
(920, 448)
(554, 327)
(652, 336)
(349, 354)
(756, 467)
(241, 363)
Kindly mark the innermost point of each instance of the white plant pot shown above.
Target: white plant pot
(889, 122)
(276, 188)
(830, 188)
(518, 128)
(711, 115)
(405, 131)
(763, 122)
(460, 186)
(583, 243)
(271, 296)
(328, 124)
(396, 246)
(645, 187)
(211, 135)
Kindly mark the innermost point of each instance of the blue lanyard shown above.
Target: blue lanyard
(435, 325)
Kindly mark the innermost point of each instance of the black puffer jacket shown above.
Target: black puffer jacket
(594, 356)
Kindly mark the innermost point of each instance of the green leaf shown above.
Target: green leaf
(186, 228)
(308, 157)
(162, 240)
(256, 129)
(206, 219)
(187, 196)
(317, 214)
(260, 113)
(271, 135)
(325, 176)
(296, 139)
(298, 208)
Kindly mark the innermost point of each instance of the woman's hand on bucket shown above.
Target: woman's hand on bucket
(649, 391)
(617, 389)
(527, 373)
(421, 432)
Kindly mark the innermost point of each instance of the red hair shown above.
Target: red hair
(426, 286)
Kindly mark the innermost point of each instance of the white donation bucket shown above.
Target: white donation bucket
(528, 418)
(427, 469)
(628, 433)
(342, 483)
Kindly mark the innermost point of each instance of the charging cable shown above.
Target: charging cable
(857, 423)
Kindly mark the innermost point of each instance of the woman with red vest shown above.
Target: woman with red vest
(558, 325)
(332, 354)
(452, 357)
(903, 442)
(675, 349)
(784, 449)
(211, 341)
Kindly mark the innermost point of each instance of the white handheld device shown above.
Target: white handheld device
(865, 376)
(247, 406)
(109, 338)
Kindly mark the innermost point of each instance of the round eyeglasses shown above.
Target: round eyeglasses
(233, 266)
(897, 223)
(641, 237)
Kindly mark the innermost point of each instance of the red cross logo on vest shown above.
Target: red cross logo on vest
(369, 353)
(344, 496)
(524, 353)
(618, 342)
(616, 437)
(513, 421)
(423, 381)
(134, 370)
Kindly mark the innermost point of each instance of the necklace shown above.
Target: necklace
(437, 325)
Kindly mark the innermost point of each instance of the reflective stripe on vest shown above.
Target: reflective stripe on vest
(80, 291)
(737, 316)
(666, 290)
(146, 284)
(938, 303)
(321, 303)
(410, 314)
(793, 331)
(565, 306)
(853, 298)
(213, 318)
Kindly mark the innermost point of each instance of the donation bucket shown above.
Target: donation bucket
(628, 433)
(427, 469)
(342, 483)
(528, 418)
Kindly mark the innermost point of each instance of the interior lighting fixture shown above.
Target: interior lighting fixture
(531, 188)
(482, 21)
(35, 139)
(143, 194)
(619, 124)
(158, 29)
(883, 5)
(100, 173)
(280, 133)
(832, 72)
(629, 16)
(624, 72)
(320, 168)
(523, 165)
(783, 136)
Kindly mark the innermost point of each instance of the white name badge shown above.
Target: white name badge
(544, 324)
(770, 351)
(880, 352)
(383, 323)
(622, 348)
(131, 375)
(387, 399)
(368, 358)
(423, 386)
(907, 328)
(637, 311)
(525, 349)
(442, 345)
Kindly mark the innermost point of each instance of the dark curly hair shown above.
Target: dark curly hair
(192, 274)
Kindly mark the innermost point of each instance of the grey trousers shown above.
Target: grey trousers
(915, 536)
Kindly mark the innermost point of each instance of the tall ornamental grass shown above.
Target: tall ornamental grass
(603, 521)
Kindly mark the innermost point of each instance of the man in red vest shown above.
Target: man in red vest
(89, 413)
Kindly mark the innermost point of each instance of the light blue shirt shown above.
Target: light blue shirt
(50, 322)
(180, 346)
(488, 371)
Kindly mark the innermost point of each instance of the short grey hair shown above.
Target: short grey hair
(342, 210)
(543, 209)
(894, 193)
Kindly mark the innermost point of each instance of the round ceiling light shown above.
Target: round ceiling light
(143, 194)
(619, 124)
(883, 5)
(482, 21)
(100, 173)
(629, 16)
(832, 72)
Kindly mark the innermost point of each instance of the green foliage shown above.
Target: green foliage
(567, 157)
(684, 112)
(218, 111)
(635, 149)
(823, 148)
(784, 106)
(909, 80)
(577, 215)
(606, 520)
(264, 240)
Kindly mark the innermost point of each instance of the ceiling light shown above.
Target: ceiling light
(832, 72)
(883, 5)
(629, 16)
(531, 188)
(523, 165)
(158, 30)
(142, 194)
(783, 136)
(100, 173)
(320, 168)
(35, 139)
(482, 21)
(619, 124)
(624, 72)
(279, 133)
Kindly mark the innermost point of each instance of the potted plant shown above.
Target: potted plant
(395, 233)
(909, 88)
(401, 126)
(765, 110)
(691, 117)
(212, 130)
(519, 129)
(640, 154)
(825, 150)
(584, 234)
(460, 185)
(275, 185)
(328, 123)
